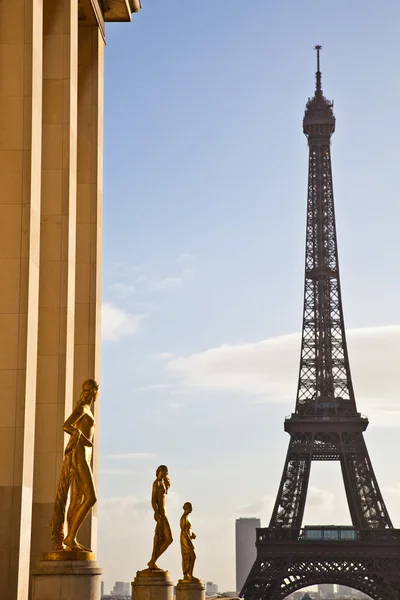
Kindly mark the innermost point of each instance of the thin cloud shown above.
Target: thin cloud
(117, 323)
(268, 370)
(167, 283)
(260, 507)
(172, 282)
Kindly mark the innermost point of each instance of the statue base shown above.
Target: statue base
(61, 579)
(190, 589)
(152, 584)
(68, 555)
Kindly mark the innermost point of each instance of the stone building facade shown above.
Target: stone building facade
(51, 152)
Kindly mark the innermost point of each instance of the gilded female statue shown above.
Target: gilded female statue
(162, 534)
(187, 548)
(76, 474)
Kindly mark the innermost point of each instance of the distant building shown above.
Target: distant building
(326, 590)
(121, 588)
(211, 588)
(245, 548)
(102, 589)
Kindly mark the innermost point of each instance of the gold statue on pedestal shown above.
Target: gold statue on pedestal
(76, 475)
(187, 548)
(162, 534)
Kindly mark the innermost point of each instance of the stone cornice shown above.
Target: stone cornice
(99, 11)
(90, 12)
(120, 10)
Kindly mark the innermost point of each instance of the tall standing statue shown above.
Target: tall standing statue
(162, 534)
(187, 548)
(76, 474)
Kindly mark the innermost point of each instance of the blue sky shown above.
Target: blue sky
(205, 173)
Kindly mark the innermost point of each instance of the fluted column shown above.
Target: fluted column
(88, 227)
(20, 175)
(57, 260)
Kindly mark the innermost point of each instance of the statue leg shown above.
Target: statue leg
(192, 560)
(185, 565)
(83, 497)
(156, 549)
(166, 537)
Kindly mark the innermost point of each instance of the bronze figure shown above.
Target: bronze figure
(187, 548)
(162, 534)
(76, 475)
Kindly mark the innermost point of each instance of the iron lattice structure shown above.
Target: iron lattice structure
(326, 424)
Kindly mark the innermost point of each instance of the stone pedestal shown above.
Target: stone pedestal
(66, 580)
(152, 585)
(190, 590)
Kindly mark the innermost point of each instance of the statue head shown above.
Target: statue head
(162, 475)
(187, 507)
(90, 388)
(162, 472)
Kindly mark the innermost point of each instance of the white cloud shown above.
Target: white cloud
(117, 323)
(259, 507)
(320, 503)
(172, 282)
(130, 456)
(167, 283)
(253, 368)
(270, 369)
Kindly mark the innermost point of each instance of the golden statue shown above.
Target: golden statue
(187, 548)
(162, 534)
(76, 474)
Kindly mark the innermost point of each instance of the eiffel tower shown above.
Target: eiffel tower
(325, 424)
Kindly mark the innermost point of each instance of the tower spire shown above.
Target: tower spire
(318, 88)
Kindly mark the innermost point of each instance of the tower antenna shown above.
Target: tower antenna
(318, 88)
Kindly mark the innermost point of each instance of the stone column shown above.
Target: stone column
(20, 175)
(57, 260)
(88, 228)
